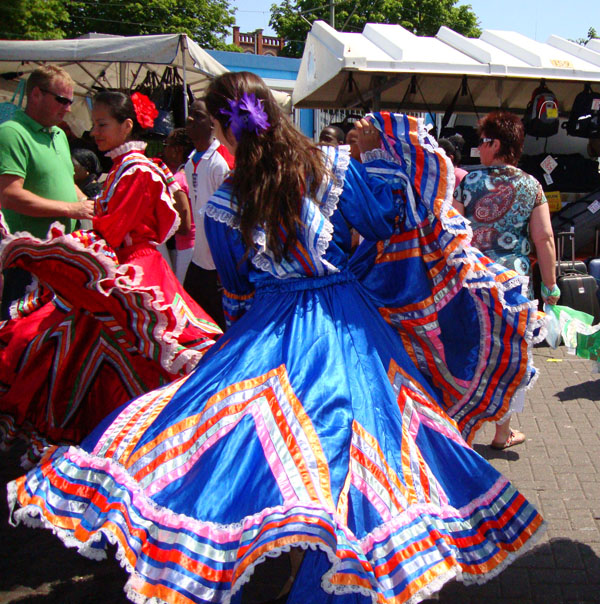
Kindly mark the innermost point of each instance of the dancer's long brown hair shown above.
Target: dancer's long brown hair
(274, 168)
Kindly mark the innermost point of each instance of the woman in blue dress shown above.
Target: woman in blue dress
(306, 447)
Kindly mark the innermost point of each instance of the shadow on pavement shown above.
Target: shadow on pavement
(36, 567)
(556, 572)
(589, 390)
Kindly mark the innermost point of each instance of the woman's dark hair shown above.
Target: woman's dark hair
(180, 138)
(449, 148)
(508, 129)
(121, 108)
(459, 143)
(87, 159)
(274, 168)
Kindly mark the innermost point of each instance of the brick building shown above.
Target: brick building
(257, 44)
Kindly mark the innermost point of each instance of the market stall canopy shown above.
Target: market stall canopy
(388, 67)
(109, 62)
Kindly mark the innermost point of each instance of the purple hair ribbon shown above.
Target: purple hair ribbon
(247, 113)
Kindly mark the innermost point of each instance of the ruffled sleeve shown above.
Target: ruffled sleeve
(136, 207)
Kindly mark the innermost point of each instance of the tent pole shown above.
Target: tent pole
(183, 41)
(122, 76)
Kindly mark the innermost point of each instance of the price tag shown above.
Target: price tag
(594, 206)
(548, 178)
(548, 164)
(595, 104)
(552, 112)
(475, 152)
(554, 200)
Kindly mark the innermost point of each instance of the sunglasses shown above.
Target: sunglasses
(63, 100)
(484, 140)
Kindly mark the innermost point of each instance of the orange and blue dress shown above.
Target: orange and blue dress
(310, 423)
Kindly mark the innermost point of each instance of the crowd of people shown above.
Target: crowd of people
(280, 406)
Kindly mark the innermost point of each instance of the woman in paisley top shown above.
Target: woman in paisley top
(508, 210)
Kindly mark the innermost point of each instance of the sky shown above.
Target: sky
(536, 19)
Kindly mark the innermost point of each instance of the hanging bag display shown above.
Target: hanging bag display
(159, 91)
(584, 119)
(541, 115)
(163, 99)
(7, 109)
(469, 134)
(181, 98)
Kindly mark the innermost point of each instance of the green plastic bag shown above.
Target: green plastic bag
(576, 330)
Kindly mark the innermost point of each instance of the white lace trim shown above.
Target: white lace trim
(32, 517)
(166, 195)
(263, 260)
(223, 216)
(126, 148)
(375, 154)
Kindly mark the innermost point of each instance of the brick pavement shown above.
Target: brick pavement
(557, 469)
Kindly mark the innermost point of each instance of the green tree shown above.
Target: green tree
(33, 19)
(292, 19)
(206, 21)
(590, 36)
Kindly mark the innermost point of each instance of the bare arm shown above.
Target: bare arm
(14, 197)
(182, 205)
(540, 229)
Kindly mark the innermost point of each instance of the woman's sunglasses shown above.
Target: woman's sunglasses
(484, 140)
(63, 100)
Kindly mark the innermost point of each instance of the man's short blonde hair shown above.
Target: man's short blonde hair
(43, 76)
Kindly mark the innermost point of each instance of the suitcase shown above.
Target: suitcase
(578, 290)
(582, 216)
(562, 266)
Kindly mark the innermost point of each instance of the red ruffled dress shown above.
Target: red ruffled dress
(108, 321)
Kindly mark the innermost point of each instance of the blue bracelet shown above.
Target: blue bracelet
(554, 293)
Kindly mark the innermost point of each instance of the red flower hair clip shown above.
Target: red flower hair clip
(145, 110)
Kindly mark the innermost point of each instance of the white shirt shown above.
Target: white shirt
(203, 179)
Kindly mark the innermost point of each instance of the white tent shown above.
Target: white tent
(388, 67)
(107, 62)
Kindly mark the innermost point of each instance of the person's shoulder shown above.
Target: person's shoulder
(473, 176)
(525, 176)
(224, 153)
(11, 128)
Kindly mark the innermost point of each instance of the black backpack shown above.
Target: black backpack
(584, 119)
(541, 115)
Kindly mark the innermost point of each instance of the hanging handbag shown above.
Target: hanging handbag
(163, 99)
(584, 119)
(181, 98)
(8, 109)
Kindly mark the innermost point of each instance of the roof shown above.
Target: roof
(113, 61)
(107, 62)
(388, 67)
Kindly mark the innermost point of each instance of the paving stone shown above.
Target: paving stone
(515, 584)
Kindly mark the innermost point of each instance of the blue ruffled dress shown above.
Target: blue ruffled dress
(307, 425)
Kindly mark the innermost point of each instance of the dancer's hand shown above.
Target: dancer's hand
(368, 136)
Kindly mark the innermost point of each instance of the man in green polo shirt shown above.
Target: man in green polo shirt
(36, 172)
